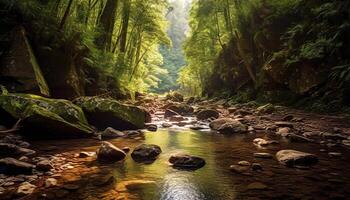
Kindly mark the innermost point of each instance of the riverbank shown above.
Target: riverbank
(76, 174)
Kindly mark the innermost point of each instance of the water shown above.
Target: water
(159, 181)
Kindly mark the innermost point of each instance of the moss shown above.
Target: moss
(46, 115)
(112, 113)
(44, 88)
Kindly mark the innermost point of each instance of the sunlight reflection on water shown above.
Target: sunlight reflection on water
(178, 186)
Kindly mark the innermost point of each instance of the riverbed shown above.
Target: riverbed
(328, 179)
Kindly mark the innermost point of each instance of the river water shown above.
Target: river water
(329, 179)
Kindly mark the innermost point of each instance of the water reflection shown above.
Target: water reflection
(179, 186)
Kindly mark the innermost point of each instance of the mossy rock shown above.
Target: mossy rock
(46, 118)
(104, 113)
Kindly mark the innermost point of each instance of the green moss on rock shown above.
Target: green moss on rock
(104, 113)
(46, 118)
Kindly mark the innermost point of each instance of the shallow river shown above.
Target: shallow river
(329, 179)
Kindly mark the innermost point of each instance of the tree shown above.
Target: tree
(106, 25)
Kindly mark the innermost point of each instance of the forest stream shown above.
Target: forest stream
(174, 100)
(81, 176)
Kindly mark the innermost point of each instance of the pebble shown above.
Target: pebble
(335, 154)
(263, 155)
(50, 182)
(244, 163)
(25, 189)
(257, 167)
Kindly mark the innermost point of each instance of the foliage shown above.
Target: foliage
(233, 43)
(133, 59)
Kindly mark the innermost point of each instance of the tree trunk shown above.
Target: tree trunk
(66, 14)
(106, 25)
(125, 24)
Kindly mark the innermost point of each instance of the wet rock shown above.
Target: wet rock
(191, 100)
(146, 152)
(292, 158)
(257, 167)
(13, 166)
(263, 155)
(207, 113)
(256, 186)
(284, 124)
(85, 154)
(24, 159)
(334, 154)
(244, 163)
(232, 109)
(337, 130)
(109, 153)
(103, 113)
(288, 118)
(263, 142)
(169, 113)
(346, 143)
(166, 125)
(110, 133)
(152, 127)
(133, 133)
(50, 182)
(104, 180)
(198, 127)
(176, 118)
(11, 150)
(243, 112)
(175, 96)
(331, 136)
(297, 138)
(312, 134)
(44, 165)
(184, 161)
(283, 131)
(228, 126)
(181, 109)
(216, 124)
(231, 128)
(60, 118)
(25, 189)
(266, 109)
(251, 129)
(240, 169)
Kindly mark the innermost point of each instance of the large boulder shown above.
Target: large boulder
(146, 152)
(228, 126)
(19, 70)
(44, 117)
(184, 161)
(104, 113)
(292, 158)
(14, 167)
(207, 114)
(109, 153)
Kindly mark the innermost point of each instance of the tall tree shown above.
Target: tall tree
(106, 25)
(125, 24)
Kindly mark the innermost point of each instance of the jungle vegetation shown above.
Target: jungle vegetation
(268, 50)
